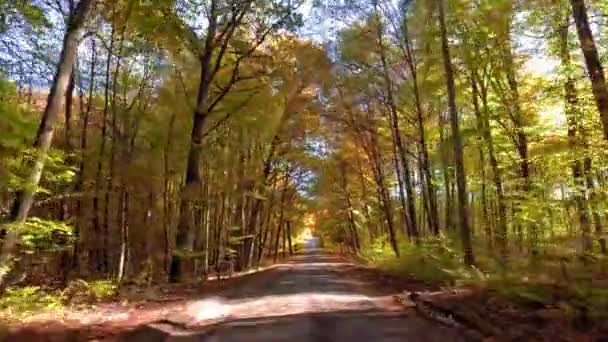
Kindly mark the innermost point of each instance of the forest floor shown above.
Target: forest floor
(312, 297)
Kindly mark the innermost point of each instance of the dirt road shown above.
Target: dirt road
(311, 298)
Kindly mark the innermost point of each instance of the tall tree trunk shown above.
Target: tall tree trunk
(166, 194)
(501, 236)
(289, 238)
(403, 176)
(513, 105)
(184, 239)
(428, 184)
(465, 229)
(99, 260)
(44, 136)
(592, 60)
(85, 114)
(281, 216)
(447, 174)
(481, 129)
(67, 136)
(575, 139)
(114, 138)
(385, 199)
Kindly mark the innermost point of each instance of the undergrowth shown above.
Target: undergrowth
(20, 302)
(550, 278)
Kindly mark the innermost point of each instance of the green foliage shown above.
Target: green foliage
(11, 10)
(17, 127)
(18, 302)
(433, 260)
(88, 292)
(23, 301)
(37, 233)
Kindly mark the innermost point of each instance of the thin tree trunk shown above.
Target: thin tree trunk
(85, 114)
(501, 235)
(166, 194)
(100, 254)
(469, 258)
(124, 235)
(574, 141)
(69, 100)
(398, 146)
(428, 184)
(447, 181)
(281, 218)
(286, 224)
(383, 193)
(289, 238)
(484, 201)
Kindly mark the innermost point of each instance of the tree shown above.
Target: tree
(44, 137)
(225, 20)
(463, 214)
(592, 60)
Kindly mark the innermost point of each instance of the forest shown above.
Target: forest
(457, 142)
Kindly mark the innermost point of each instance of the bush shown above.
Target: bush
(79, 291)
(431, 260)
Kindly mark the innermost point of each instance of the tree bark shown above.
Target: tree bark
(69, 100)
(465, 229)
(592, 60)
(184, 239)
(402, 168)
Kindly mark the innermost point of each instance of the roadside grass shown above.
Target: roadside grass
(21, 302)
(552, 276)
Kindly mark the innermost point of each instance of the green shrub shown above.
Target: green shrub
(83, 292)
(431, 260)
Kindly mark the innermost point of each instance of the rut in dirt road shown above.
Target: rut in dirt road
(312, 298)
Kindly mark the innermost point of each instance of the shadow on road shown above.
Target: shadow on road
(349, 326)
